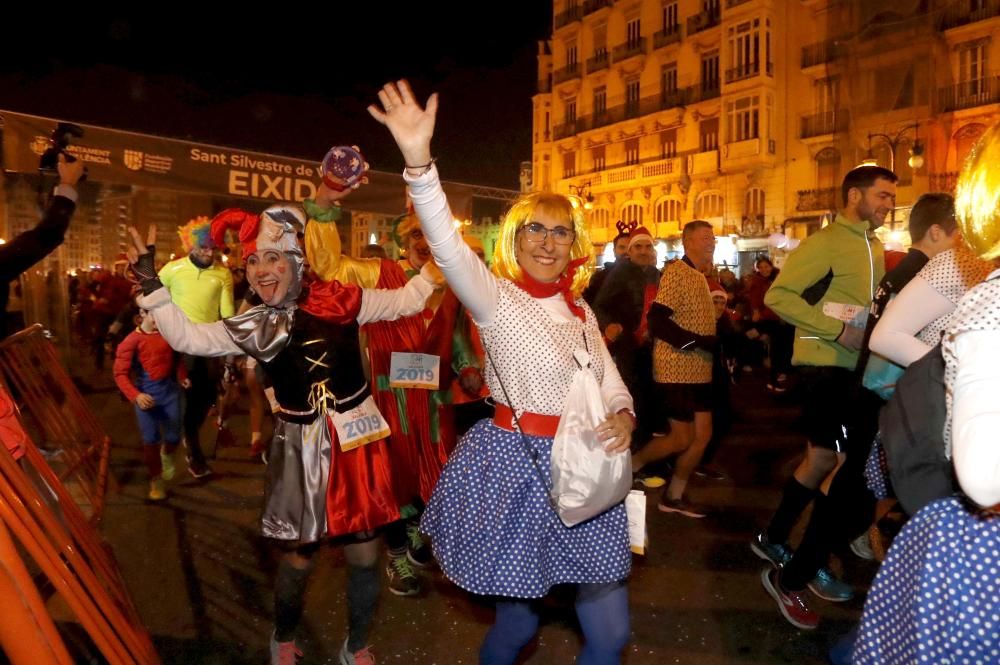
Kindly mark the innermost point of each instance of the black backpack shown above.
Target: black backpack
(911, 426)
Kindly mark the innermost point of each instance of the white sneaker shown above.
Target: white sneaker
(362, 657)
(862, 547)
(284, 653)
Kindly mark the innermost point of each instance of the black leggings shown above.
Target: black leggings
(204, 376)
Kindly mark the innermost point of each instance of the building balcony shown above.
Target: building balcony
(821, 53)
(742, 149)
(742, 72)
(616, 176)
(662, 167)
(569, 16)
(567, 73)
(591, 6)
(809, 200)
(672, 99)
(703, 92)
(628, 50)
(598, 62)
(955, 17)
(655, 170)
(545, 85)
(735, 3)
(703, 21)
(969, 94)
(821, 124)
(565, 130)
(613, 114)
(703, 163)
(671, 35)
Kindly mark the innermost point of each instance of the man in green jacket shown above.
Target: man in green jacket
(824, 290)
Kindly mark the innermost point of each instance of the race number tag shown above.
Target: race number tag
(414, 370)
(362, 424)
(635, 509)
(853, 315)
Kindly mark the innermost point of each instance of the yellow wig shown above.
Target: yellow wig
(977, 196)
(558, 208)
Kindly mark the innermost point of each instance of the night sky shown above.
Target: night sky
(290, 80)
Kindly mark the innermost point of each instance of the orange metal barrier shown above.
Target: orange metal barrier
(31, 365)
(27, 633)
(38, 511)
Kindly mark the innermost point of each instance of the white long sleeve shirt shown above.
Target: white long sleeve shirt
(914, 320)
(480, 291)
(972, 383)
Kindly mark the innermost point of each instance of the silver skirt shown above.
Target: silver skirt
(298, 471)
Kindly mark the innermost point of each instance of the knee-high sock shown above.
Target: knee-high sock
(793, 502)
(289, 594)
(362, 599)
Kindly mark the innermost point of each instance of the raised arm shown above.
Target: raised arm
(391, 304)
(412, 127)
(198, 339)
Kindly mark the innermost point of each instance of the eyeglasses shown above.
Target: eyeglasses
(537, 233)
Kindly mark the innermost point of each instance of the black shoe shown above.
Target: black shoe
(403, 580)
(418, 550)
(710, 473)
(199, 469)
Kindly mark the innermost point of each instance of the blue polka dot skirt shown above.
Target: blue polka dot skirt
(935, 599)
(494, 531)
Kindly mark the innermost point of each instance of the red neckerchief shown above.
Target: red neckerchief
(537, 289)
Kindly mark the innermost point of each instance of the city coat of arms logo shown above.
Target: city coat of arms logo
(133, 159)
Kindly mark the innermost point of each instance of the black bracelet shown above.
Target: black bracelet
(426, 167)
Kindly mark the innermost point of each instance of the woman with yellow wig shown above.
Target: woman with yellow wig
(936, 597)
(491, 523)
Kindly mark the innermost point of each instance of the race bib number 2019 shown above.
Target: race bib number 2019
(414, 370)
(362, 424)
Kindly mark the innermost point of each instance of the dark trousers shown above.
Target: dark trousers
(635, 364)
(199, 398)
(849, 506)
(782, 338)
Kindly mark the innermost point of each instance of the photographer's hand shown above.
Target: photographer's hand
(69, 172)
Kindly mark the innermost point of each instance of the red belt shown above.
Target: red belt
(533, 424)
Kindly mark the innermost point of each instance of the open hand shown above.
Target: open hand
(411, 125)
(141, 254)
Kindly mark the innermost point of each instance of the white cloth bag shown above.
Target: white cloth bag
(586, 480)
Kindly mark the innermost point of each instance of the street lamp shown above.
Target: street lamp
(582, 192)
(916, 159)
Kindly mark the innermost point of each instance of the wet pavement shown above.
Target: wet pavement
(201, 577)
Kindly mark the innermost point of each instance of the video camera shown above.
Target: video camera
(58, 143)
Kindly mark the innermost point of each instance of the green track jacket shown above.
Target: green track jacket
(857, 260)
